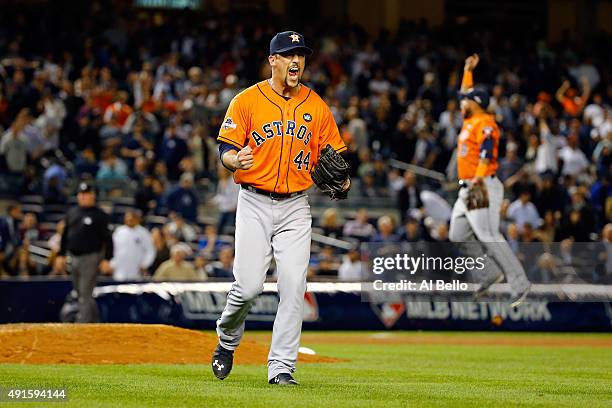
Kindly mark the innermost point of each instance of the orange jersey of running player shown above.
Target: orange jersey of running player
(285, 136)
(479, 138)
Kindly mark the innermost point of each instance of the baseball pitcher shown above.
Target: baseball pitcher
(476, 213)
(278, 136)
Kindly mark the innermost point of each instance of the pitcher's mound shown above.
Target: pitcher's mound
(120, 344)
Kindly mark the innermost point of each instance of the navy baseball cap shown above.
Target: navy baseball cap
(477, 94)
(287, 41)
(86, 187)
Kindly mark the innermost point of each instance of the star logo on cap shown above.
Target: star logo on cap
(294, 38)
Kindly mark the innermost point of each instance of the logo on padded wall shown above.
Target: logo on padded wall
(311, 308)
(389, 313)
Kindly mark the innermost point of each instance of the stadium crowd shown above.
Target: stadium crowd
(134, 101)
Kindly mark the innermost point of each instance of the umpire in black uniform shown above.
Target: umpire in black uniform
(88, 243)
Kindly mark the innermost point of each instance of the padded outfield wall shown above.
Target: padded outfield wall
(328, 306)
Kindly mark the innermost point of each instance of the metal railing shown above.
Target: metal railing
(419, 171)
(334, 242)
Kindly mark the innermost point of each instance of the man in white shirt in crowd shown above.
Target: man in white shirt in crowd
(595, 112)
(357, 127)
(133, 246)
(450, 124)
(574, 159)
(14, 144)
(546, 156)
(523, 211)
(351, 268)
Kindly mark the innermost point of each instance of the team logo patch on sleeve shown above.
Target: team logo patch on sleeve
(228, 124)
(307, 117)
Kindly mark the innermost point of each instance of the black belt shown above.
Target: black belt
(272, 195)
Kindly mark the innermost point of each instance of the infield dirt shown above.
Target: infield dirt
(120, 344)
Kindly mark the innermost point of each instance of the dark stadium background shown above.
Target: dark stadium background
(72, 72)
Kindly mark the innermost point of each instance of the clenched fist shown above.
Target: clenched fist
(244, 159)
(471, 62)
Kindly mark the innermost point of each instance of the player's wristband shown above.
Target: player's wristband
(224, 148)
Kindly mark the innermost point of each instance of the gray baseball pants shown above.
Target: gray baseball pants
(266, 227)
(84, 270)
(482, 226)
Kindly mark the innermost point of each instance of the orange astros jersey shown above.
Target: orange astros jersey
(286, 136)
(479, 137)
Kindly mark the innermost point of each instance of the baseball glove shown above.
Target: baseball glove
(331, 173)
(477, 196)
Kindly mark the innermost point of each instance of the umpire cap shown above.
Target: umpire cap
(287, 41)
(86, 187)
(477, 94)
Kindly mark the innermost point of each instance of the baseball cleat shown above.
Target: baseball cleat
(283, 379)
(520, 298)
(222, 361)
(484, 288)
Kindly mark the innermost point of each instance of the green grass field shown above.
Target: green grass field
(386, 374)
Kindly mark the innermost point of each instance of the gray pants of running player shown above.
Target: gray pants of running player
(84, 271)
(482, 225)
(266, 228)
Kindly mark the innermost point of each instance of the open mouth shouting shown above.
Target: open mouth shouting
(294, 72)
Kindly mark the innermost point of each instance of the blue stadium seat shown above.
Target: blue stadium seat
(32, 208)
(31, 199)
(155, 221)
(123, 201)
